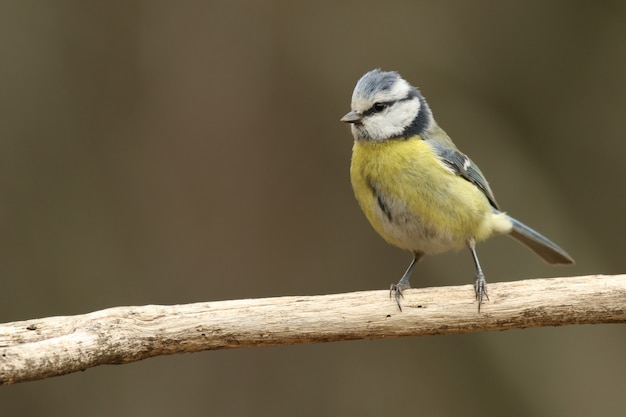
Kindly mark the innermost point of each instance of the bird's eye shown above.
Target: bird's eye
(378, 107)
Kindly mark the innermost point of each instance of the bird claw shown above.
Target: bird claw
(396, 290)
(480, 287)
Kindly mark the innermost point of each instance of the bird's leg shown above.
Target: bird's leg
(404, 284)
(480, 285)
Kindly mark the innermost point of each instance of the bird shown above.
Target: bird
(417, 189)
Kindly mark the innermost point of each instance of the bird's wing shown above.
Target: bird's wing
(463, 166)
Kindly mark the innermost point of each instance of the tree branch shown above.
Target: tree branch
(41, 348)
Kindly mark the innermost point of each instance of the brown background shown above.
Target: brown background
(161, 152)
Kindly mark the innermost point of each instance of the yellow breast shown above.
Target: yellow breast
(413, 200)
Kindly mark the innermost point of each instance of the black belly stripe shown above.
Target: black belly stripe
(381, 203)
(383, 207)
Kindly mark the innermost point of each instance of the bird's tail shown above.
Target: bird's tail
(542, 246)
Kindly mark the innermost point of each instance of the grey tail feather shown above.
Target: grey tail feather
(542, 246)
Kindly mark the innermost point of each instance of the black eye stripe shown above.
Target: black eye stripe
(376, 106)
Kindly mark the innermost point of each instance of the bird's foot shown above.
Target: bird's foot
(480, 286)
(396, 291)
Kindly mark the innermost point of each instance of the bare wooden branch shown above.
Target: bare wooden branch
(41, 348)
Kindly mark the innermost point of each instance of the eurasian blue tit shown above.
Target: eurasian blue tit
(418, 191)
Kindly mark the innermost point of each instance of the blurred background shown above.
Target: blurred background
(163, 153)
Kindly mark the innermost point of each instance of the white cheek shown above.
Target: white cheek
(393, 121)
(402, 113)
(380, 127)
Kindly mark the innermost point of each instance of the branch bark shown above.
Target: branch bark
(42, 348)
